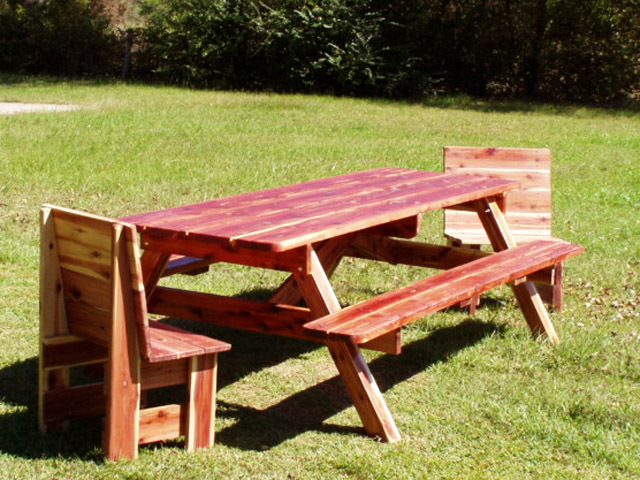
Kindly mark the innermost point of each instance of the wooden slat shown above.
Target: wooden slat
(161, 423)
(53, 319)
(121, 426)
(281, 213)
(286, 196)
(78, 402)
(231, 312)
(70, 351)
(356, 218)
(390, 311)
(209, 248)
(179, 264)
(316, 289)
(164, 374)
(277, 221)
(171, 343)
(517, 158)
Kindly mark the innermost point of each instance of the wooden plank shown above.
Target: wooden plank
(363, 390)
(280, 212)
(179, 264)
(153, 264)
(161, 423)
(121, 426)
(360, 217)
(297, 193)
(164, 374)
(475, 157)
(405, 228)
(209, 248)
(392, 310)
(53, 319)
(232, 312)
(201, 411)
(70, 351)
(388, 343)
(74, 402)
(171, 343)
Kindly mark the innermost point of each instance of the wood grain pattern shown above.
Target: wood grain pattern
(289, 217)
(388, 312)
(92, 282)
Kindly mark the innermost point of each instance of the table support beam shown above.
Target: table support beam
(528, 298)
(352, 366)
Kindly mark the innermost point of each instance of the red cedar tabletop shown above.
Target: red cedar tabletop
(292, 216)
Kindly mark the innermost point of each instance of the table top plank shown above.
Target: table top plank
(288, 217)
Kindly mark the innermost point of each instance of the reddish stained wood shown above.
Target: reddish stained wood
(405, 228)
(161, 423)
(207, 248)
(123, 373)
(357, 218)
(53, 319)
(164, 374)
(202, 402)
(291, 194)
(172, 343)
(70, 402)
(399, 194)
(284, 212)
(329, 253)
(363, 390)
(515, 158)
(390, 311)
(70, 351)
(231, 312)
(316, 289)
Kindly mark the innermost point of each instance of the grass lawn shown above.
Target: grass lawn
(474, 397)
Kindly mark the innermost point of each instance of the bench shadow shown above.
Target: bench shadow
(308, 410)
(253, 429)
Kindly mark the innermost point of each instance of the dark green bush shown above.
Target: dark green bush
(56, 37)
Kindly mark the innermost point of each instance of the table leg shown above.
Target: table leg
(329, 253)
(352, 366)
(528, 298)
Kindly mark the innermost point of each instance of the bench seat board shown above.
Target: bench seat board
(387, 312)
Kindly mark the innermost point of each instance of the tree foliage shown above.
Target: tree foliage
(568, 50)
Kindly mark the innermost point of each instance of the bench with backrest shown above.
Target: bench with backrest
(527, 210)
(387, 313)
(94, 311)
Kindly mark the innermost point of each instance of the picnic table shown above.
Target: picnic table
(307, 228)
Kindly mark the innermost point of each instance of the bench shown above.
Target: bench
(186, 266)
(94, 311)
(387, 313)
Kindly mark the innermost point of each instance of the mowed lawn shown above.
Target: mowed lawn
(473, 396)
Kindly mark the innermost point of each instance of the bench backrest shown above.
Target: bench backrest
(98, 264)
(528, 211)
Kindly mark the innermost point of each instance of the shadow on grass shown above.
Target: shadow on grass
(253, 429)
(309, 409)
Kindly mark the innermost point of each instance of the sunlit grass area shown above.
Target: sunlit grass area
(474, 397)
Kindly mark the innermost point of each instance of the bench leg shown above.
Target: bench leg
(202, 402)
(364, 391)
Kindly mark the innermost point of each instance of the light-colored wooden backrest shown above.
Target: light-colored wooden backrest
(528, 210)
(98, 265)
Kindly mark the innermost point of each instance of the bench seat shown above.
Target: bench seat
(186, 266)
(389, 312)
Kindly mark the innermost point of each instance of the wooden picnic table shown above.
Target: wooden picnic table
(305, 229)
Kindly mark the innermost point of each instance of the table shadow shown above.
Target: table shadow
(253, 429)
(308, 410)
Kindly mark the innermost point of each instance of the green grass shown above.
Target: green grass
(473, 397)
